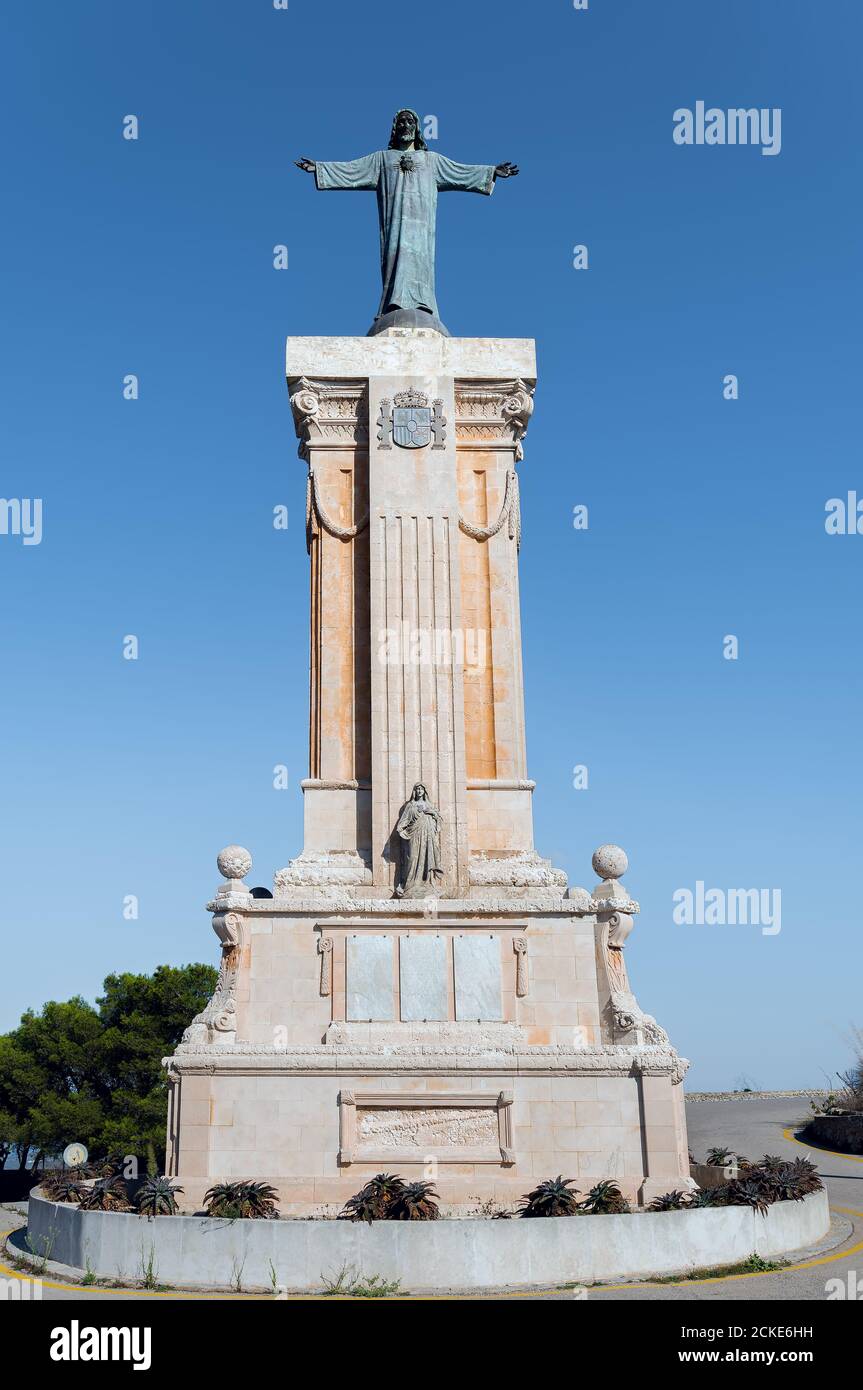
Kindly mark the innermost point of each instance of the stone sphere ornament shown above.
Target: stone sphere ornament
(610, 861)
(234, 861)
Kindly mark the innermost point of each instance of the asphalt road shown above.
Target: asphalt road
(750, 1127)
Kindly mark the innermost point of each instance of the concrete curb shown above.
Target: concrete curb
(186, 1251)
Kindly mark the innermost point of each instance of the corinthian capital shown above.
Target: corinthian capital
(328, 414)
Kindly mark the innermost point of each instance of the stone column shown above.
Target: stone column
(332, 424)
(414, 597)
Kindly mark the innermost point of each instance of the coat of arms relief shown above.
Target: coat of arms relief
(411, 422)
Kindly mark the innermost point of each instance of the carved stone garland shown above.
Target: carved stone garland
(317, 516)
(510, 512)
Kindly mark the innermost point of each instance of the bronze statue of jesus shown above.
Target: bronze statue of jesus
(407, 178)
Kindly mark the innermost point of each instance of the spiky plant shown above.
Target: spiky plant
(111, 1166)
(241, 1200)
(157, 1196)
(258, 1200)
(719, 1158)
(64, 1185)
(553, 1197)
(106, 1194)
(605, 1199)
(748, 1192)
(771, 1163)
(779, 1182)
(669, 1201)
(801, 1177)
(708, 1197)
(372, 1202)
(417, 1201)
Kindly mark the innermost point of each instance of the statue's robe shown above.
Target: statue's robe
(407, 210)
(419, 829)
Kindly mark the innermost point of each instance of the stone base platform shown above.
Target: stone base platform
(484, 1124)
(482, 1043)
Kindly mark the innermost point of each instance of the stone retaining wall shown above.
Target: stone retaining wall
(841, 1132)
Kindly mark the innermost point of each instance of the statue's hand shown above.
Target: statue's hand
(505, 171)
(307, 165)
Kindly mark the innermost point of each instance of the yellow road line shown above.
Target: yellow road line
(10, 1273)
(760, 1273)
(830, 1153)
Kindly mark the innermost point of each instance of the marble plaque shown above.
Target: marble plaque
(370, 978)
(422, 978)
(477, 977)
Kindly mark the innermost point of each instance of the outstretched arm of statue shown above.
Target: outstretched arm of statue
(307, 165)
(505, 171)
(452, 177)
(345, 173)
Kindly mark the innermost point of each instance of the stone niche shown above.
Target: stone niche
(410, 1127)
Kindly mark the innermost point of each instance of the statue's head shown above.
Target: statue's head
(419, 793)
(406, 130)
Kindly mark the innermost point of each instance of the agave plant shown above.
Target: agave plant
(779, 1183)
(111, 1166)
(553, 1197)
(605, 1199)
(800, 1178)
(373, 1202)
(669, 1201)
(106, 1194)
(749, 1192)
(807, 1173)
(64, 1185)
(771, 1163)
(719, 1158)
(233, 1200)
(417, 1201)
(157, 1196)
(708, 1197)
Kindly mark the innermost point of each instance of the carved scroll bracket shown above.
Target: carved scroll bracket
(325, 951)
(519, 945)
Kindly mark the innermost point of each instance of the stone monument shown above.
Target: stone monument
(423, 992)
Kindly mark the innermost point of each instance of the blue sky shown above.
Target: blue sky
(154, 257)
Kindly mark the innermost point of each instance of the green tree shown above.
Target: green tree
(73, 1071)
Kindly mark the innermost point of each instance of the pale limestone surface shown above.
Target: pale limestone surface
(406, 352)
(508, 992)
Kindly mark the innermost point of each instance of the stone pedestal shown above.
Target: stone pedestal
(486, 1034)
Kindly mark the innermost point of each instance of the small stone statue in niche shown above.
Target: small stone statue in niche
(418, 828)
